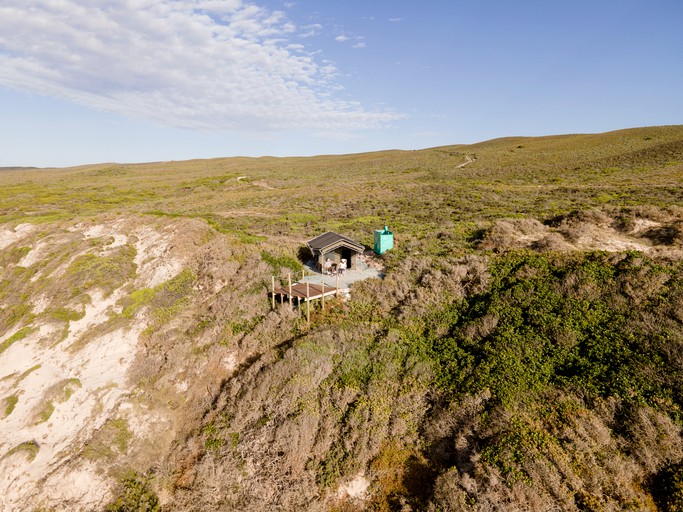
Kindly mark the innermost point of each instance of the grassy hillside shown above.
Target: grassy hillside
(524, 351)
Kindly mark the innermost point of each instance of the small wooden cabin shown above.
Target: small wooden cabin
(334, 246)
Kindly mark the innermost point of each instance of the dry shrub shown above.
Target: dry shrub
(451, 432)
(454, 492)
(656, 225)
(575, 231)
(642, 284)
(457, 492)
(579, 224)
(674, 253)
(451, 281)
(345, 504)
(552, 242)
(513, 233)
(305, 416)
(665, 235)
(480, 328)
(216, 266)
(644, 225)
(654, 439)
(584, 468)
(144, 369)
(654, 213)
(278, 443)
(402, 478)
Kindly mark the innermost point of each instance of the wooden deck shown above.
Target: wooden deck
(306, 291)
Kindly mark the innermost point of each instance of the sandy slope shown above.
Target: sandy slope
(85, 386)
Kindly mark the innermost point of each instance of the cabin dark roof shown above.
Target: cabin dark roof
(330, 241)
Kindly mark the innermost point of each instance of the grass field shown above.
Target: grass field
(416, 192)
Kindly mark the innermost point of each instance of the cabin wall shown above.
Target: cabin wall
(336, 257)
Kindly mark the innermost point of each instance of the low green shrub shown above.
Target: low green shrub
(45, 412)
(66, 315)
(280, 262)
(105, 272)
(10, 403)
(17, 336)
(511, 448)
(30, 448)
(135, 495)
(110, 440)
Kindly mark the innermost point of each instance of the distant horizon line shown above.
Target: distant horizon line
(10, 168)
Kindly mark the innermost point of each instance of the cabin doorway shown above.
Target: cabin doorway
(347, 255)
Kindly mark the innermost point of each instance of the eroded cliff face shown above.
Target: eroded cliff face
(88, 392)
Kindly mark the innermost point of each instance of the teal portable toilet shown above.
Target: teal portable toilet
(384, 240)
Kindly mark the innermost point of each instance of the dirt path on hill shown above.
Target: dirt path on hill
(468, 159)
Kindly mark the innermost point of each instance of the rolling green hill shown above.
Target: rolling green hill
(523, 352)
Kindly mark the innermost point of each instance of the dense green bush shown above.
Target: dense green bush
(135, 496)
(565, 321)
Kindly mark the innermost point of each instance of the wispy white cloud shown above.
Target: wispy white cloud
(360, 43)
(359, 40)
(210, 64)
(395, 20)
(310, 30)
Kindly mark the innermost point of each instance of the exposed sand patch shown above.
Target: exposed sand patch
(96, 313)
(356, 488)
(262, 184)
(39, 252)
(69, 383)
(596, 232)
(240, 213)
(153, 258)
(95, 231)
(32, 257)
(230, 362)
(609, 240)
(112, 230)
(641, 225)
(119, 240)
(10, 236)
(81, 484)
(99, 375)
(93, 364)
(468, 160)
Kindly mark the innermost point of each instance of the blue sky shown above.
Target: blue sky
(148, 80)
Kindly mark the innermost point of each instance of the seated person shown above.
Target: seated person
(327, 268)
(342, 267)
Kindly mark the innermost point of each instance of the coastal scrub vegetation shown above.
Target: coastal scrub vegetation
(524, 350)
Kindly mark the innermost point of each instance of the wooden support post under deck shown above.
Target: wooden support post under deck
(289, 297)
(323, 293)
(308, 305)
(273, 288)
